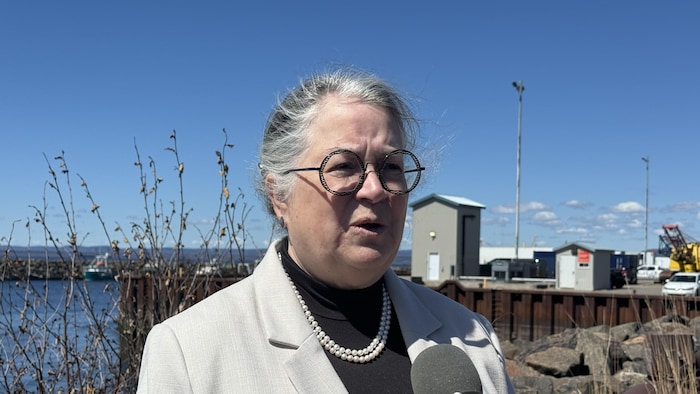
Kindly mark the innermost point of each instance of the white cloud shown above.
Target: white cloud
(545, 216)
(530, 206)
(684, 206)
(607, 217)
(547, 219)
(628, 207)
(635, 224)
(577, 204)
(500, 220)
(503, 209)
(573, 230)
(533, 206)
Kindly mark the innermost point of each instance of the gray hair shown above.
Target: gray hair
(286, 133)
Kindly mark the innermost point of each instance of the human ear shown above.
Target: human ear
(278, 205)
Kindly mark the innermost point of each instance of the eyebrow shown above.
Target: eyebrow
(381, 155)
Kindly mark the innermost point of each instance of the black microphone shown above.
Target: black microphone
(444, 369)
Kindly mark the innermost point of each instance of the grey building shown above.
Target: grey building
(582, 268)
(446, 237)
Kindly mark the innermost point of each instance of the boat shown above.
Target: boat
(99, 269)
(209, 269)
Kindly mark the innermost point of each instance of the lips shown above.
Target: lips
(371, 226)
(368, 224)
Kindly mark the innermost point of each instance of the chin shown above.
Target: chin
(373, 259)
(362, 277)
(375, 250)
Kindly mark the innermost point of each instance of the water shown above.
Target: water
(45, 325)
(62, 333)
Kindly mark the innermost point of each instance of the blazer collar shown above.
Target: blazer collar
(286, 327)
(418, 323)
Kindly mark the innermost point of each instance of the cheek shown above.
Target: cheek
(398, 209)
(318, 209)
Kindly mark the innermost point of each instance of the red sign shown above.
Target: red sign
(584, 256)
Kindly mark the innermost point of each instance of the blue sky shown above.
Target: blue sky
(606, 83)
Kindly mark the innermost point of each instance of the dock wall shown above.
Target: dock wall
(532, 314)
(514, 313)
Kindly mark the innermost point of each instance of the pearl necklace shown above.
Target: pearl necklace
(361, 356)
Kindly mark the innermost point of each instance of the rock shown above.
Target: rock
(532, 384)
(557, 362)
(604, 328)
(602, 355)
(670, 318)
(623, 380)
(643, 388)
(511, 349)
(636, 349)
(599, 359)
(517, 369)
(638, 366)
(694, 326)
(578, 384)
(625, 331)
(565, 339)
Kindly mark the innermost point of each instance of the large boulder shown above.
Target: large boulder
(599, 359)
(601, 353)
(532, 384)
(577, 384)
(558, 362)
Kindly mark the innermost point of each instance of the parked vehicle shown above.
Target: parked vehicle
(617, 279)
(626, 264)
(665, 275)
(682, 284)
(649, 272)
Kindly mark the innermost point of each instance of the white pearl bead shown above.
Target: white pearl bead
(365, 355)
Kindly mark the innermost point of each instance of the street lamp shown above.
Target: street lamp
(645, 159)
(520, 88)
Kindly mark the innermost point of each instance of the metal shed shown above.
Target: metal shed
(446, 237)
(582, 268)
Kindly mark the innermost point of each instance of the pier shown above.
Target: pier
(515, 312)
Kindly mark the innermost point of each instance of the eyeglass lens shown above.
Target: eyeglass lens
(343, 171)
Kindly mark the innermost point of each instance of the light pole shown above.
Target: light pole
(645, 159)
(520, 88)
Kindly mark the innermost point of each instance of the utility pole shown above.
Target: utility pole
(646, 211)
(520, 88)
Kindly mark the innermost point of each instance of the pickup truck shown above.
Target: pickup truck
(649, 272)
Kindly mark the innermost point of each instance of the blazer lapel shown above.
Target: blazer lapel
(285, 326)
(311, 372)
(417, 321)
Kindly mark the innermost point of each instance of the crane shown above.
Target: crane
(685, 256)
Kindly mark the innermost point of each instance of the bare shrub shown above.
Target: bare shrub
(67, 343)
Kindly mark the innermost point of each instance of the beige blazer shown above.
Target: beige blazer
(252, 337)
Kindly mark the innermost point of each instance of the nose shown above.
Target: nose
(372, 188)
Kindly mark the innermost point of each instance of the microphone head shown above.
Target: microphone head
(443, 369)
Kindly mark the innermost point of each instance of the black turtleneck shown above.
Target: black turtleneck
(351, 318)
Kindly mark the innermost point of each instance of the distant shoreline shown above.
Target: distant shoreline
(188, 255)
(56, 269)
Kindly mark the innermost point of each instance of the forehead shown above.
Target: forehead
(351, 124)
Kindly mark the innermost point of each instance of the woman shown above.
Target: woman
(323, 311)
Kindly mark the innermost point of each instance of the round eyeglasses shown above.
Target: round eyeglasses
(343, 172)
